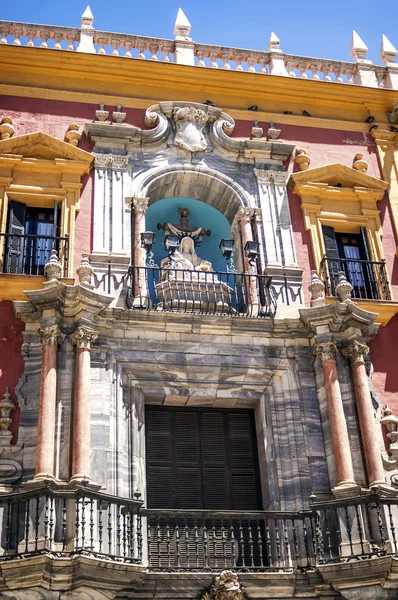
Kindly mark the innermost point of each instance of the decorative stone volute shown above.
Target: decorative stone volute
(140, 204)
(50, 336)
(190, 123)
(73, 136)
(356, 351)
(101, 114)
(6, 128)
(7, 406)
(83, 337)
(317, 290)
(85, 271)
(343, 287)
(225, 586)
(359, 164)
(326, 351)
(302, 159)
(53, 269)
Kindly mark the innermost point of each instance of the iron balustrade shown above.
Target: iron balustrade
(27, 254)
(204, 292)
(368, 278)
(70, 522)
(64, 523)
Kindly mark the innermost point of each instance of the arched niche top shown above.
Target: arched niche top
(197, 182)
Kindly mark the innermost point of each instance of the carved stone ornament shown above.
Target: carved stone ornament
(6, 128)
(190, 123)
(326, 351)
(101, 114)
(225, 586)
(53, 269)
(390, 422)
(302, 159)
(7, 406)
(140, 204)
(343, 287)
(117, 162)
(50, 336)
(356, 352)
(85, 271)
(393, 116)
(83, 337)
(269, 177)
(317, 290)
(359, 164)
(73, 135)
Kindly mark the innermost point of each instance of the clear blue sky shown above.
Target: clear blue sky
(319, 28)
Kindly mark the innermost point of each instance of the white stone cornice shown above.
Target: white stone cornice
(83, 337)
(50, 336)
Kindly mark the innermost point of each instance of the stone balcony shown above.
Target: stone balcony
(183, 50)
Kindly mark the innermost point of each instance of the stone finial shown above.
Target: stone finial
(85, 271)
(390, 422)
(101, 114)
(272, 132)
(7, 406)
(388, 53)
(302, 159)
(274, 44)
(53, 269)
(118, 116)
(257, 132)
(182, 27)
(317, 290)
(358, 47)
(343, 287)
(6, 128)
(87, 18)
(359, 164)
(73, 135)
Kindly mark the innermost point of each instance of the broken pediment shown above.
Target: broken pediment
(40, 145)
(337, 176)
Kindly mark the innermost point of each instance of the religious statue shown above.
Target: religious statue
(186, 259)
(184, 229)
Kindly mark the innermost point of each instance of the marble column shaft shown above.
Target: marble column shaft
(81, 446)
(244, 217)
(357, 352)
(140, 206)
(50, 338)
(338, 424)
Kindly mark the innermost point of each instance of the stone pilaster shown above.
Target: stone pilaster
(83, 337)
(357, 352)
(327, 352)
(50, 338)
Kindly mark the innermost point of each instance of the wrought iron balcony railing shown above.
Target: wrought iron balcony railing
(70, 523)
(204, 292)
(27, 254)
(368, 278)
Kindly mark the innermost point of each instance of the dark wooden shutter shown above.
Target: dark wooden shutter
(364, 244)
(243, 462)
(187, 468)
(15, 245)
(216, 477)
(159, 460)
(329, 238)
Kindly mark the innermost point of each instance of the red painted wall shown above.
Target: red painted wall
(11, 361)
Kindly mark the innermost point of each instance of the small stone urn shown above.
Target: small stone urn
(53, 269)
(118, 116)
(390, 422)
(343, 287)
(85, 271)
(302, 159)
(317, 290)
(73, 135)
(101, 114)
(6, 128)
(359, 164)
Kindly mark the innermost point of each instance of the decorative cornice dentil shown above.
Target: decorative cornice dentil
(326, 351)
(356, 351)
(83, 337)
(50, 336)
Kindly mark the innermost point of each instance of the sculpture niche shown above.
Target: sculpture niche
(188, 283)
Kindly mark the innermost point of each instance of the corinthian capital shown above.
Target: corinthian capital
(140, 204)
(326, 351)
(83, 337)
(50, 336)
(356, 352)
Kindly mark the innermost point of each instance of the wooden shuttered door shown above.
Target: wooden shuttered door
(15, 242)
(201, 458)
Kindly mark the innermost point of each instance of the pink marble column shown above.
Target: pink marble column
(50, 338)
(244, 217)
(81, 446)
(140, 206)
(338, 425)
(356, 352)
